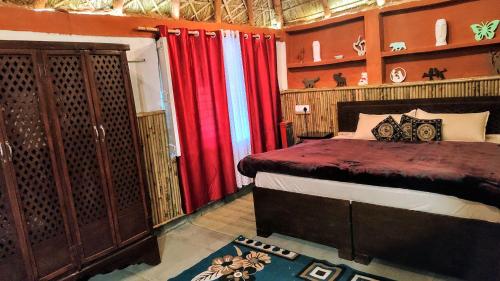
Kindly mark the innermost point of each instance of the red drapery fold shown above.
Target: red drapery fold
(264, 106)
(206, 165)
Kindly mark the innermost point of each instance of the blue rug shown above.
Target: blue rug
(251, 260)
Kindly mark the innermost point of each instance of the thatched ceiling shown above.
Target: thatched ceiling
(266, 13)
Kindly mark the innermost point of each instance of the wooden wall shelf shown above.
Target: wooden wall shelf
(448, 47)
(412, 23)
(326, 62)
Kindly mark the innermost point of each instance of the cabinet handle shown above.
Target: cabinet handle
(10, 150)
(96, 134)
(103, 133)
(1, 153)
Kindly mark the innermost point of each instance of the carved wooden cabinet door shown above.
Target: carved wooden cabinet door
(79, 151)
(14, 261)
(31, 156)
(116, 117)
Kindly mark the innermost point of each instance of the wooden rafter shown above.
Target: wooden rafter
(118, 5)
(251, 19)
(218, 10)
(39, 4)
(326, 8)
(175, 9)
(279, 11)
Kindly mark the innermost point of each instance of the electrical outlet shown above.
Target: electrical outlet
(299, 109)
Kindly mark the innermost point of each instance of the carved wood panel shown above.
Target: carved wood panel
(111, 91)
(11, 263)
(73, 102)
(32, 162)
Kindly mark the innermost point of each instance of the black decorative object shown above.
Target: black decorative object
(434, 72)
(426, 130)
(309, 83)
(495, 61)
(339, 79)
(405, 125)
(387, 130)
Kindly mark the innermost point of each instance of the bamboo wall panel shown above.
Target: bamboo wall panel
(323, 102)
(161, 169)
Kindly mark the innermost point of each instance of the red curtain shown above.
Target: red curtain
(206, 164)
(264, 107)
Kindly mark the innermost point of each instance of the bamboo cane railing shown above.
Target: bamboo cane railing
(323, 102)
(161, 168)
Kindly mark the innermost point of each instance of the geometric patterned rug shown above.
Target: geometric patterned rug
(251, 260)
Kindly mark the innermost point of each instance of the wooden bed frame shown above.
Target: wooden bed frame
(463, 248)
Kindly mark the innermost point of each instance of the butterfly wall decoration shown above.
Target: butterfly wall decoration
(485, 29)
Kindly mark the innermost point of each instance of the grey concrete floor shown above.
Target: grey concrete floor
(187, 244)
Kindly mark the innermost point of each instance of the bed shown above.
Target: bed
(450, 233)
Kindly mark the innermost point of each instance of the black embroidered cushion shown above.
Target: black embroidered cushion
(405, 125)
(387, 130)
(426, 130)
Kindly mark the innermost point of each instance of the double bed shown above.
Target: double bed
(430, 205)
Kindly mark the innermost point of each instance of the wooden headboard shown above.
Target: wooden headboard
(348, 112)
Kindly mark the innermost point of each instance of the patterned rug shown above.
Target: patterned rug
(251, 260)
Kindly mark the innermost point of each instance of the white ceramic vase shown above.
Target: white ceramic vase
(441, 32)
(316, 51)
(380, 3)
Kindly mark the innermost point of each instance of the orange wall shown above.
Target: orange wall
(21, 19)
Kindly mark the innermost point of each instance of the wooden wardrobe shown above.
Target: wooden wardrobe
(73, 201)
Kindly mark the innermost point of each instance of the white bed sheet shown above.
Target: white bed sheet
(384, 196)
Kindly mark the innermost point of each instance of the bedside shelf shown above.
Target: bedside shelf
(326, 62)
(434, 49)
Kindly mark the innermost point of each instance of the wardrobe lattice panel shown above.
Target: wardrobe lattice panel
(110, 85)
(7, 234)
(78, 137)
(20, 101)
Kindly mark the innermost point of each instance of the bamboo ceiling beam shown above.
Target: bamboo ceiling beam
(251, 19)
(326, 8)
(175, 9)
(218, 11)
(39, 4)
(279, 11)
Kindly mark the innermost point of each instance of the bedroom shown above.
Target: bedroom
(250, 140)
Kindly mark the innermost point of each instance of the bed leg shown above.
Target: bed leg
(362, 259)
(264, 233)
(346, 254)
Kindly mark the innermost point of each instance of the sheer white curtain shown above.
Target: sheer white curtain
(237, 100)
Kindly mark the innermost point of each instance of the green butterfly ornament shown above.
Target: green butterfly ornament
(486, 29)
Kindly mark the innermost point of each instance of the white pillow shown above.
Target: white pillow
(494, 138)
(469, 127)
(367, 122)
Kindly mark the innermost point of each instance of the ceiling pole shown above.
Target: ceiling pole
(39, 4)
(218, 11)
(175, 9)
(251, 19)
(118, 6)
(279, 11)
(326, 8)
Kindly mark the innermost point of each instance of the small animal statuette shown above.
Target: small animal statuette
(397, 46)
(485, 30)
(309, 83)
(360, 46)
(339, 79)
(434, 72)
(495, 61)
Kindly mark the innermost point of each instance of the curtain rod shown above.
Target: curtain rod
(190, 32)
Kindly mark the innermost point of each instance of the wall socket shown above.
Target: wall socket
(299, 109)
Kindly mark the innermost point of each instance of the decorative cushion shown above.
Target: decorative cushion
(469, 127)
(366, 122)
(426, 130)
(405, 125)
(387, 130)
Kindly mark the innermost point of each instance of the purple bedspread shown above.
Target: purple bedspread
(466, 170)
